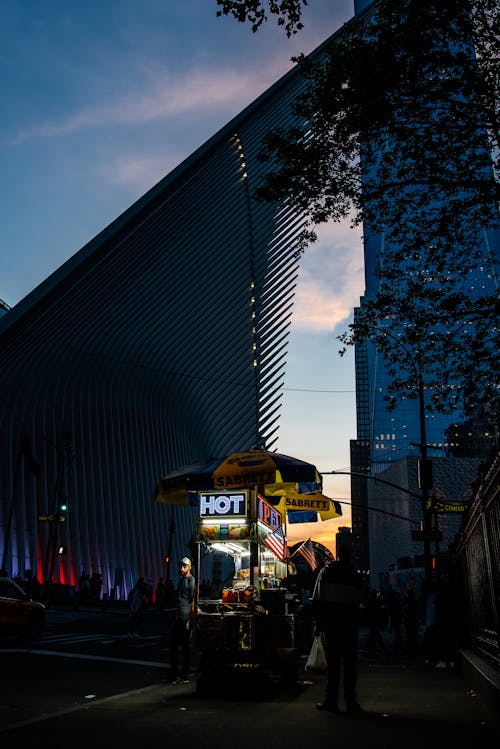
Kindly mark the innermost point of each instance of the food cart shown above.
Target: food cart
(249, 627)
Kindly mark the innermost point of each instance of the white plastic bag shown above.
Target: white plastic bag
(317, 657)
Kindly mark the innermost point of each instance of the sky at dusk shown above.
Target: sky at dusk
(100, 100)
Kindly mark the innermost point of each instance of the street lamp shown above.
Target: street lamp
(59, 513)
(425, 481)
(424, 465)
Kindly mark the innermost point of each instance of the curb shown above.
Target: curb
(484, 678)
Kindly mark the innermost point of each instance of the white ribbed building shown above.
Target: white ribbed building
(162, 341)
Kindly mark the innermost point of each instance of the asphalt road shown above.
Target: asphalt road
(86, 684)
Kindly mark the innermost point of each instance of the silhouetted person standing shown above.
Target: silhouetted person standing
(374, 616)
(160, 594)
(445, 617)
(136, 603)
(411, 620)
(181, 626)
(83, 592)
(395, 605)
(32, 585)
(337, 594)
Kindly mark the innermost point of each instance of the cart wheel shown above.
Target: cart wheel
(204, 685)
(208, 682)
(289, 673)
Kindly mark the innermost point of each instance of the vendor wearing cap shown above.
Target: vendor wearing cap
(181, 633)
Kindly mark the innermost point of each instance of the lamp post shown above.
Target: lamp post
(58, 512)
(425, 480)
(425, 465)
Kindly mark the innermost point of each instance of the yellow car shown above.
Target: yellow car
(20, 615)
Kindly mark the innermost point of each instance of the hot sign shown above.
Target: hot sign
(220, 505)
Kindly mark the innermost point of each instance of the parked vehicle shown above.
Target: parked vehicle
(20, 615)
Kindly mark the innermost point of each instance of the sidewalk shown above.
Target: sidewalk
(406, 705)
(410, 704)
(414, 689)
(481, 678)
(401, 690)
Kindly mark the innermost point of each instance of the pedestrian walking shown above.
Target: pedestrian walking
(180, 637)
(395, 605)
(160, 594)
(95, 588)
(136, 602)
(83, 591)
(338, 592)
(411, 620)
(32, 585)
(149, 592)
(374, 617)
(443, 635)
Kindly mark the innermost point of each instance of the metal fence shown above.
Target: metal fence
(475, 568)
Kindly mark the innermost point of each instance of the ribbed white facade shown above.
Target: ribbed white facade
(161, 342)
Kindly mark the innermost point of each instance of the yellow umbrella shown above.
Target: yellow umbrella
(262, 468)
(309, 501)
(272, 473)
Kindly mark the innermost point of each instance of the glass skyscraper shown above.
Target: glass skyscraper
(389, 442)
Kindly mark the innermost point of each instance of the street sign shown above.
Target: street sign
(429, 536)
(443, 505)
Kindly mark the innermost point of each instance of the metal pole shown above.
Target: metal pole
(425, 485)
(52, 546)
(254, 542)
(54, 523)
(425, 466)
(171, 531)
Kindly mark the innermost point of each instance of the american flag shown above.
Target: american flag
(276, 543)
(307, 553)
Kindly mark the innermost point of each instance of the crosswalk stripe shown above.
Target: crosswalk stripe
(88, 657)
(69, 639)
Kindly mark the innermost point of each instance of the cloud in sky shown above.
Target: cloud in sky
(331, 279)
(101, 101)
(140, 171)
(316, 309)
(166, 97)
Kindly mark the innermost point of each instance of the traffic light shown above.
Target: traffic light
(63, 508)
(167, 558)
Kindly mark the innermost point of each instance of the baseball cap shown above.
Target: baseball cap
(185, 560)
